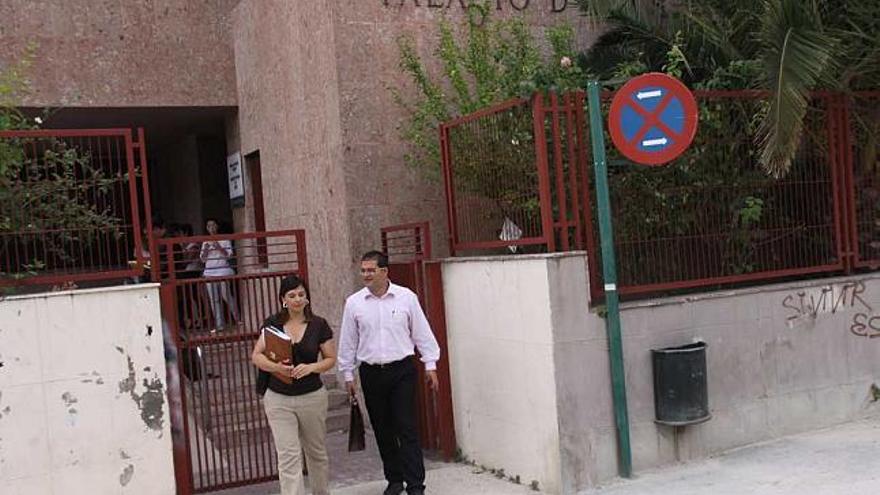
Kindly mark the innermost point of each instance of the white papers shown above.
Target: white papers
(281, 334)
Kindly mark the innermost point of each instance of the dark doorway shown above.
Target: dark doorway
(186, 154)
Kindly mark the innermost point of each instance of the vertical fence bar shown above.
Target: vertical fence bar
(302, 264)
(446, 165)
(437, 317)
(848, 164)
(561, 203)
(838, 175)
(538, 116)
(573, 169)
(581, 124)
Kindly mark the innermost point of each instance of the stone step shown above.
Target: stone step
(226, 436)
(246, 414)
(245, 392)
(338, 399)
(337, 420)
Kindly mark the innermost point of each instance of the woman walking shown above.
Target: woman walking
(216, 255)
(297, 412)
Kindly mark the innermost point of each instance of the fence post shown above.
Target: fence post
(302, 258)
(849, 188)
(446, 169)
(543, 172)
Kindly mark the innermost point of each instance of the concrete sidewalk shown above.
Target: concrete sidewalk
(452, 479)
(842, 460)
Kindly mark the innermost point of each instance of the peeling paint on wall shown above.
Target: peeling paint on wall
(93, 376)
(69, 400)
(151, 402)
(58, 433)
(126, 475)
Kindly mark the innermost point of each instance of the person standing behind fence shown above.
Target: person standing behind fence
(381, 325)
(297, 412)
(216, 255)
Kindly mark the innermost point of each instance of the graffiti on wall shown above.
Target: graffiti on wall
(852, 298)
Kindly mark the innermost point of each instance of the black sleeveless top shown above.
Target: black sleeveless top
(305, 352)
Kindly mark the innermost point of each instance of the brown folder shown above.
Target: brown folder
(279, 347)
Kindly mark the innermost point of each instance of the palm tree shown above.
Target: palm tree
(788, 47)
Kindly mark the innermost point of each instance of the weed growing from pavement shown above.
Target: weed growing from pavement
(499, 473)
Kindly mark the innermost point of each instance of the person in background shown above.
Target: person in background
(216, 257)
(159, 231)
(297, 412)
(187, 266)
(190, 252)
(382, 324)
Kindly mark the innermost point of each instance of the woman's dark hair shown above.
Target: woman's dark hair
(288, 284)
(217, 222)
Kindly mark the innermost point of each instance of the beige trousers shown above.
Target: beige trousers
(299, 423)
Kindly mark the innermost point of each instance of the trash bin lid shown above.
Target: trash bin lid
(696, 346)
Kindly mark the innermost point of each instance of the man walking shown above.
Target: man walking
(381, 325)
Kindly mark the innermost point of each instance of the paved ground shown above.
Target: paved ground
(346, 468)
(844, 460)
(450, 479)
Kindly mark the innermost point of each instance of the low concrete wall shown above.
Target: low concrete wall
(83, 406)
(529, 365)
(500, 338)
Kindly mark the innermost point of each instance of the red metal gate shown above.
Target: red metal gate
(221, 436)
(103, 173)
(408, 248)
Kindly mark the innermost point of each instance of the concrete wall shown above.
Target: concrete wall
(83, 406)
(289, 110)
(134, 53)
(500, 335)
(781, 359)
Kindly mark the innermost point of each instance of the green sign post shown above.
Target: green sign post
(609, 270)
(653, 119)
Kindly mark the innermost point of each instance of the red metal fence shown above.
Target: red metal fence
(224, 438)
(517, 178)
(72, 205)
(502, 165)
(407, 242)
(862, 141)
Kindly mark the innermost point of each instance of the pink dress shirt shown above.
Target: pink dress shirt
(379, 330)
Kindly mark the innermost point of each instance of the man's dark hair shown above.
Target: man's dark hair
(378, 256)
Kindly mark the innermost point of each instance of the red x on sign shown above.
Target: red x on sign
(653, 119)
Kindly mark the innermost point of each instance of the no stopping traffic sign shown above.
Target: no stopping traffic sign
(653, 118)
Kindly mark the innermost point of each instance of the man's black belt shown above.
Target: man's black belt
(392, 364)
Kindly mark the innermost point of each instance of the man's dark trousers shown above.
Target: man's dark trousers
(389, 391)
